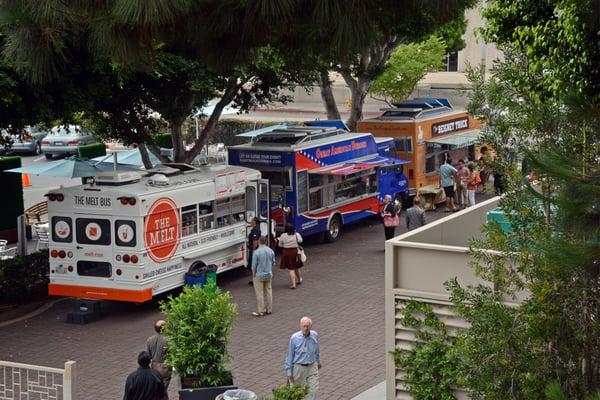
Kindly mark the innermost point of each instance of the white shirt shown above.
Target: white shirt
(289, 241)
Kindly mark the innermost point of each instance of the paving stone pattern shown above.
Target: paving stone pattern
(343, 292)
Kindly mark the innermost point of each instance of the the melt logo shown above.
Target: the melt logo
(162, 230)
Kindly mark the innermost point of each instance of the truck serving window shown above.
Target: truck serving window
(93, 231)
(62, 229)
(98, 269)
(189, 220)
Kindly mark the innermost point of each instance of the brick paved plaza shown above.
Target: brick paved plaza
(343, 291)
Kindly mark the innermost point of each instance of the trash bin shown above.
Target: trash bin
(211, 274)
(196, 275)
(238, 394)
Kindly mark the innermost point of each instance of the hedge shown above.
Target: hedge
(24, 278)
(92, 150)
(11, 201)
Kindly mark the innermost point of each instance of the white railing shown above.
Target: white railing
(24, 381)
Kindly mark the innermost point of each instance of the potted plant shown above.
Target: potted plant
(199, 322)
(290, 392)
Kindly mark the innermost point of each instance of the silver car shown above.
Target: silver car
(30, 141)
(66, 139)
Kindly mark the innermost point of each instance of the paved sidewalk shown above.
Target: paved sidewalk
(377, 392)
(343, 291)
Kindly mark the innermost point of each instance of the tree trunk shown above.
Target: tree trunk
(177, 137)
(229, 94)
(145, 156)
(359, 89)
(327, 96)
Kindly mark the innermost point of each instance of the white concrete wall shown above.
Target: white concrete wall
(418, 264)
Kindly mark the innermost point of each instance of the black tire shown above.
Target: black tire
(334, 229)
(48, 156)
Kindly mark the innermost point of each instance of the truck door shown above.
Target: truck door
(258, 204)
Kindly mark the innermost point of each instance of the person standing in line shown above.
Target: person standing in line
(303, 358)
(290, 241)
(415, 216)
(389, 210)
(485, 169)
(253, 237)
(447, 177)
(461, 184)
(262, 274)
(144, 383)
(474, 181)
(157, 348)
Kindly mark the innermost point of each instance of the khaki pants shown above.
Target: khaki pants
(307, 376)
(264, 294)
(165, 373)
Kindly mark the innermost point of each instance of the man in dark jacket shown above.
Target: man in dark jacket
(145, 383)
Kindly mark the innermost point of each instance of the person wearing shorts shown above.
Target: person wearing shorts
(447, 178)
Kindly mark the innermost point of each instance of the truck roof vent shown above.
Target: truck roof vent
(116, 177)
(158, 180)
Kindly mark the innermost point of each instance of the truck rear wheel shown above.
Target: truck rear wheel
(334, 229)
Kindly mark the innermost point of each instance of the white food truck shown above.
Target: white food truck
(129, 237)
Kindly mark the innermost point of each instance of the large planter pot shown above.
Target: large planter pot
(202, 393)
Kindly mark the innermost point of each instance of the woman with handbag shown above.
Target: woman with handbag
(391, 217)
(290, 259)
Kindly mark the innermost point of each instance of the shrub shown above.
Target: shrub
(11, 201)
(23, 279)
(92, 150)
(290, 392)
(163, 140)
(199, 322)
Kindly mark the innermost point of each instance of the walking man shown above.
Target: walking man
(415, 216)
(144, 383)
(447, 177)
(302, 361)
(157, 348)
(263, 259)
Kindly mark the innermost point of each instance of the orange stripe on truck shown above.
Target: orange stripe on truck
(90, 292)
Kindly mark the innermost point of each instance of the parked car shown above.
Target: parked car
(29, 141)
(66, 139)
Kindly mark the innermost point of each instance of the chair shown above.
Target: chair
(37, 213)
(43, 237)
(6, 254)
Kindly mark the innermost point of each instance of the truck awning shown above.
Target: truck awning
(358, 166)
(461, 139)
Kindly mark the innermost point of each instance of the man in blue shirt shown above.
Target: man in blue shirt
(263, 259)
(302, 361)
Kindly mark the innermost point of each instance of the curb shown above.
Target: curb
(28, 311)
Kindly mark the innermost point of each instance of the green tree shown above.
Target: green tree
(407, 65)
(181, 53)
(541, 107)
(363, 36)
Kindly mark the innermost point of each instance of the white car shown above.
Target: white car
(66, 139)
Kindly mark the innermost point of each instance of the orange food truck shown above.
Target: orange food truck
(424, 130)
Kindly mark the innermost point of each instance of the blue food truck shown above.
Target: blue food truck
(322, 178)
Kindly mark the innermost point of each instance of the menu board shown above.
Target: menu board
(230, 184)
